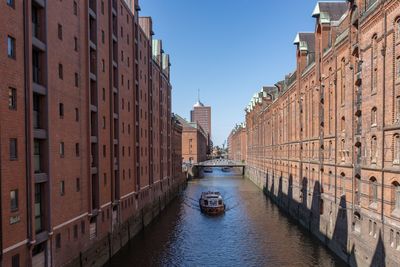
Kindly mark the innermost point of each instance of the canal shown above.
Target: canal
(253, 232)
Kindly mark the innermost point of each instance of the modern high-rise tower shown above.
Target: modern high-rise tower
(202, 115)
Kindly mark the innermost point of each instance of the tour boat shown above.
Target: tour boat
(211, 203)
(208, 169)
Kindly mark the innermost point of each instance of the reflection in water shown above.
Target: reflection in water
(253, 232)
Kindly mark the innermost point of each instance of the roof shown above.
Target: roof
(198, 104)
(334, 10)
(305, 38)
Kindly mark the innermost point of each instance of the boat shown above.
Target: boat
(211, 203)
(226, 169)
(208, 169)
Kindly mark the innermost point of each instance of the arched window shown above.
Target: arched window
(374, 46)
(374, 117)
(343, 81)
(342, 145)
(375, 80)
(374, 65)
(396, 149)
(373, 190)
(343, 183)
(397, 28)
(397, 109)
(373, 149)
(396, 195)
(330, 181)
(343, 124)
(398, 68)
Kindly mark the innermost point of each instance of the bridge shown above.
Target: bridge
(220, 163)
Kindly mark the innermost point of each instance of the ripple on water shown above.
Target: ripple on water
(252, 233)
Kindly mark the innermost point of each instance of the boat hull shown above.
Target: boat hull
(212, 210)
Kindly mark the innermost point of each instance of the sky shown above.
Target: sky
(228, 49)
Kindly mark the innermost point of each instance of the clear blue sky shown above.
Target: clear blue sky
(227, 48)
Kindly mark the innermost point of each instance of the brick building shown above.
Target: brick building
(325, 142)
(194, 141)
(176, 140)
(85, 128)
(237, 143)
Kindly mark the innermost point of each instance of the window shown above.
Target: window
(391, 238)
(11, 47)
(374, 117)
(12, 99)
(396, 149)
(396, 195)
(342, 146)
(343, 124)
(60, 34)
(78, 185)
(102, 37)
(105, 178)
(62, 188)
(11, 3)
(62, 149)
(373, 190)
(58, 240)
(375, 80)
(102, 7)
(14, 200)
(398, 109)
(82, 227)
(15, 258)
(104, 151)
(75, 8)
(76, 79)
(13, 149)
(77, 149)
(75, 44)
(397, 28)
(398, 68)
(103, 65)
(373, 149)
(104, 94)
(76, 114)
(75, 231)
(39, 215)
(60, 71)
(104, 122)
(61, 110)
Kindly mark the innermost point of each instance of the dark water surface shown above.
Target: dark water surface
(253, 232)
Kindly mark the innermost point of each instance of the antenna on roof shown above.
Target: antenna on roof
(198, 95)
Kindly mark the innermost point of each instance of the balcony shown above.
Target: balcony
(95, 191)
(93, 94)
(93, 62)
(93, 32)
(37, 67)
(93, 6)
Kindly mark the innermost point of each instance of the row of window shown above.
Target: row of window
(14, 202)
(75, 233)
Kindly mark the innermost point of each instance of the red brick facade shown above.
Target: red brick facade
(324, 143)
(194, 142)
(86, 132)
(237, 144)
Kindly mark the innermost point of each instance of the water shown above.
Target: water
(253, 232)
